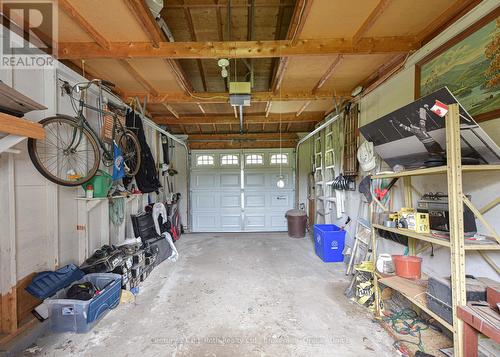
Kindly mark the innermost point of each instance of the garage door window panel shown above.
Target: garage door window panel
(254, 159)
(279, 159)
(229, 160)
(205, 160)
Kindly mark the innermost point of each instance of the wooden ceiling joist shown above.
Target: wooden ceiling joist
(456, 10)
(143, 15)
(301, 11)
(246, 136)
(72, 12)
(239, 49)
(138, 77)
(223, 97)
(301, 110)
(370, 21)
(171, 110)
(306, 117)
(235, 144)
(329, 72)
(192, 32)
(218, 4)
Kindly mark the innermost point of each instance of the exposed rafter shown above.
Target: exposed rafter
(302, 8)
(246, 136)
(329, 72)
(138, 77)
(449, 16)
(171, 110)
(223, 97)
(301, 110)
(192, 32)
(307, 117)
(143, 15)
(72, 12)
(242, 144)
(370, 21)
(239, 49)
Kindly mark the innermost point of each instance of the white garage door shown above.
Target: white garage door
(236, 191)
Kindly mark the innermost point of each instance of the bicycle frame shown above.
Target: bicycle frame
(83, 122)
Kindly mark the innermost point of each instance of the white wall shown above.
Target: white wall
(38, 224)
(399, 91)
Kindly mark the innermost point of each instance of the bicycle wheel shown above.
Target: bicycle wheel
(176, 223)
(69, 155)
(131, 151)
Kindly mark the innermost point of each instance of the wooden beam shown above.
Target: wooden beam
(246, 136)
(201, 108)
(301, 110)
(223, 97)
(22, 127)
(256, 144)
(328, 74)
(143, 15)
(180, 76)
(300, 14)
(217, 4)
(307, 117)
(189, 20)
(239, 49)
(72, 12)
(171, 110)
(138, 77)
(219, 22)
(268, 109)
(370, 21)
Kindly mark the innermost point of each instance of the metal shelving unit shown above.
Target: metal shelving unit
(413, 291)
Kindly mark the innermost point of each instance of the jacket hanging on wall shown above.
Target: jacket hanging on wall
(147, 177)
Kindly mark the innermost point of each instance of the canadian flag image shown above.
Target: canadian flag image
(439, 108)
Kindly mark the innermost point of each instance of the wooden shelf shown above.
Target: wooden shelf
(436, 240)
(416, 292)
(436, 171)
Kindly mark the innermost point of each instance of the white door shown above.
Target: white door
(237, 191)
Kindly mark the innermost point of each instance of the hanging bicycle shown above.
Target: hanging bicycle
(70, 154)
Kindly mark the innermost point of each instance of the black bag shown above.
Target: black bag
(147, 177)
(81, 291)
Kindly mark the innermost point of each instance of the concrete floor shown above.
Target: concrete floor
(234, 295)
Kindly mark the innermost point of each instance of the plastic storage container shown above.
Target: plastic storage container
(329, 242)
(101, 182)
(297, 221)
(79, 315)
(409, 267)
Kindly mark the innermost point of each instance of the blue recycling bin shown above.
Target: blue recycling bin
(329, 241)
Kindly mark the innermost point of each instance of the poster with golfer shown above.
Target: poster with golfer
(414, 135)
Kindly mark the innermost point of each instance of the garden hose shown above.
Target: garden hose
(407, 322)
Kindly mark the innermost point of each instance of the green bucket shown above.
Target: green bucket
(102, 182)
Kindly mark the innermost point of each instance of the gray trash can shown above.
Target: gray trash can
(297, 221)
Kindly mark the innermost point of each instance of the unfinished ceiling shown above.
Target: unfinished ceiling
(297, 54)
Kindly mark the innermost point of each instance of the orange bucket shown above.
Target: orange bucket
(409, 267)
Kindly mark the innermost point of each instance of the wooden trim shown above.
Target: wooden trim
(138, 77)
(269, 104)
(23, 127)
(72, 12)
(329, 72)
(238, 49)
(456, 39)
(307, 117)
(371, 19)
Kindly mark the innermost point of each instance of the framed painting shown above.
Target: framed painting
(469, 65)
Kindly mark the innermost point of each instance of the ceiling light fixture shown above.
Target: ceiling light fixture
(223, 63)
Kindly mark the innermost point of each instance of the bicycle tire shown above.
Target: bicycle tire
(39, 165)
(132, 159)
